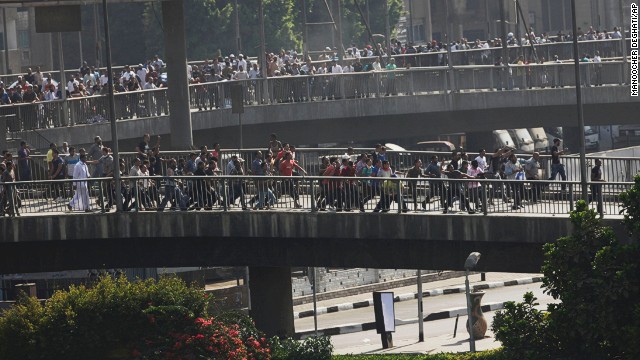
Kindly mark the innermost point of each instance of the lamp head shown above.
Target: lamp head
(472, 261)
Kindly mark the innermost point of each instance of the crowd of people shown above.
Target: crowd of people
(153, 181)
(35, 86)
(40, 89)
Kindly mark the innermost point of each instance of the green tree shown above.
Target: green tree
(596, 277)
(522, 330)
(127, 33)
(353, 24)
(137, 28)
(210, 27)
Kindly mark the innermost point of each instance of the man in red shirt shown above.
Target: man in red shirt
(327, 195)
(287, 165)
(350, 190)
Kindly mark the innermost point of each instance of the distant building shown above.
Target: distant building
(480, 19)
(25, 47)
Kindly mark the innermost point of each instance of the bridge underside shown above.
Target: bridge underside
(373, 119)
(267, 252)
(441, 242)
(272, 242)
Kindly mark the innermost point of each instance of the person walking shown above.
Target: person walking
(24, 169)
(9, 203)
(80, 200)
(596, 186)
(556, 166)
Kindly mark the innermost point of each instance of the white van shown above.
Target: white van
(540, 139)
(591, 138)
(502, 138)
(435, 146)
(523, 139)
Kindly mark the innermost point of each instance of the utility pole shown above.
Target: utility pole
(238, 43)
(339, 25)
(624, 43)
(96, 31)
(112, 110)
(387, 30)
(428, 28)
(486, 11)
(367, 5)
(503, 30)
(305, 40)
(505, 51)
(80, 45)
(576, 59)
(410, 32)
(62, 85)
(7, 69)
(262, 59)
(518, 37)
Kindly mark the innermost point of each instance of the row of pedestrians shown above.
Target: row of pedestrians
(350, 182)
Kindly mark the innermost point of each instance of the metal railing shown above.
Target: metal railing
(608, 48)
(616, 169)
(305, 88)
(336, 193)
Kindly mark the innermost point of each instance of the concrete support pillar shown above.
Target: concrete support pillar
(428, 27)
(611, 14)
(271, 302)
(176, 59)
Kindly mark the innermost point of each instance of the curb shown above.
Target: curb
(352, 328)
(412, 296)
(381, 286)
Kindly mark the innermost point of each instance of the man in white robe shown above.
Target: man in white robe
(80, 200)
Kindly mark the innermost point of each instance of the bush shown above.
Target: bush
(312, 348)
(522, 329)
(116, 318)
(597, 280)
(481, 355)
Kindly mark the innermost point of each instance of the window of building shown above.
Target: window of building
(22, 19)
(23, 39)
(418, 33)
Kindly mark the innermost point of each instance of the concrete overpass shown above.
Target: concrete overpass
(425, 111)
(271, 242)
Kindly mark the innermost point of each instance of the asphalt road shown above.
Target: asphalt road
(438, 334)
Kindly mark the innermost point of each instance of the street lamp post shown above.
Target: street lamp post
(420, 309)
(576, 58)
(470, 264)
(112, 110)
(410, 32)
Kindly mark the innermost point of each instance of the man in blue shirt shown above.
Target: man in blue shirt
(4, 97)
(191, 164)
